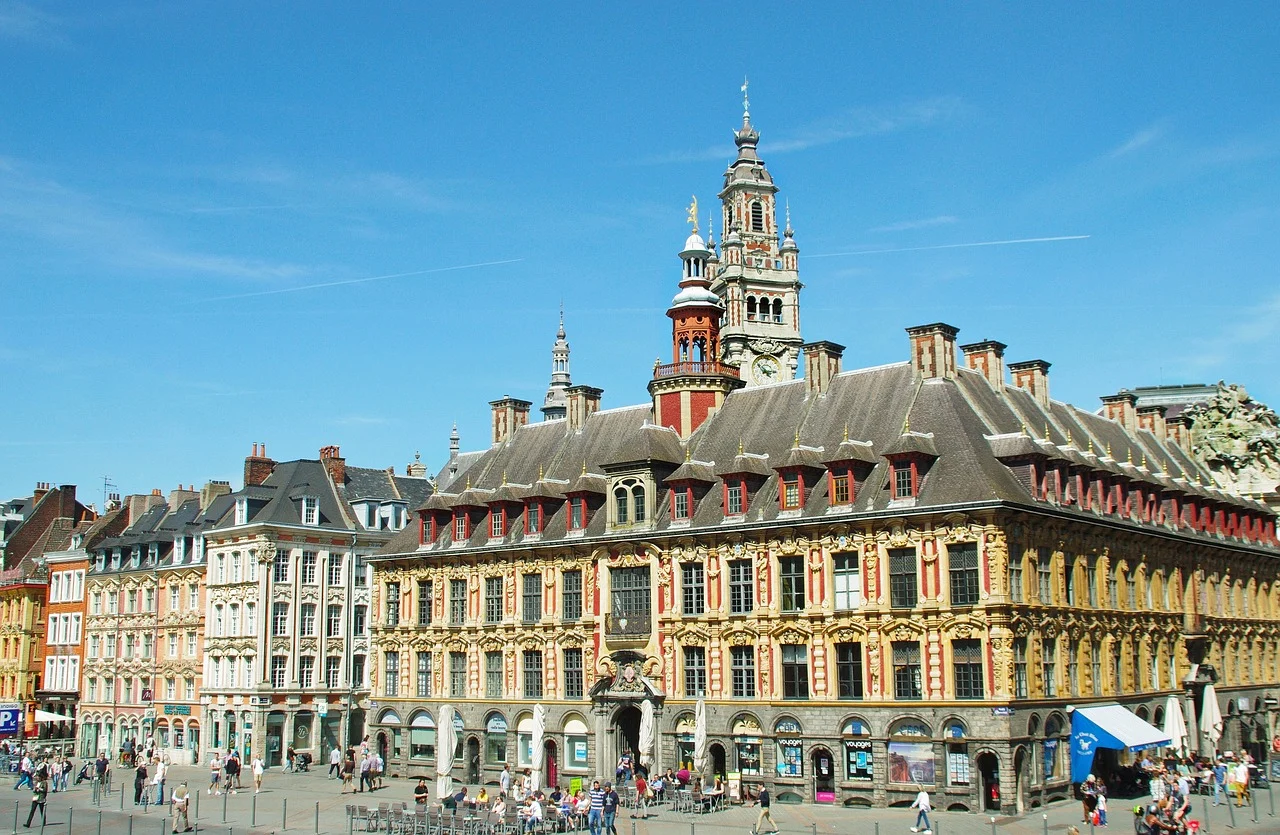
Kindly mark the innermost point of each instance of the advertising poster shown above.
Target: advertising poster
(911, 762)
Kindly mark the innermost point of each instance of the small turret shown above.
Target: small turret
(555, 405)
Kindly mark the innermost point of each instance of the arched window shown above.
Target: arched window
(757, 217)
(621, 501)
(684, 350)
(637, 503)
(629, 505)
(751, 308)
(422, 736)
(699, 350)
(777, 311)
(790, 748)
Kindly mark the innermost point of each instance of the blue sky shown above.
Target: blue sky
(172, 176)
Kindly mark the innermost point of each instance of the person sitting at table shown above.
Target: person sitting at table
(555, 795)
(499, 809)
(682, 777)
(420, 792)
(482, 798)
(658, 786)
(532, 814)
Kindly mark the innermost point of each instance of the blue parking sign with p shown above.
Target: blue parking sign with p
(10, 718)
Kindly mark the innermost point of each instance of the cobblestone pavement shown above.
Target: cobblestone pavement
(311, 803)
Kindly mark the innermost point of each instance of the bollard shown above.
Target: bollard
(1045, 818)
(122, 795)
(633, 828)
(691, 829)
(253, 811)
(351, 821)
(993, 825)
(1231, 810)
(131, 825)
(284, 816)
(224, 807)
(1091, 825)
(1204, 827)
(99, 822)
(1253, 801)
(813, 829)
(163, 824)
(70, 813)
(317, 817)
(877, 827)
(1272, 798)
(15, 817)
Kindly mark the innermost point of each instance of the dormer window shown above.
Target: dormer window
(841, 488)
(791, 492)
(904, 485)
(681, 502)
(735, 498)
(461, 526)
(577, 513)
(498, 522)
(533, 517)
(242, 511)
(629, 502)
(153, 553)
(310, 510)
(135, 556)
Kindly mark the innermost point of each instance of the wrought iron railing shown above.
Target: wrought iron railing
(621, 623)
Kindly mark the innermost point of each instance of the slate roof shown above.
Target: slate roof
(963, 424)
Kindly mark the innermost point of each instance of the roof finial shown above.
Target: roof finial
(468, 482)
(504, 477)
(688, 454)
(1144, 460)
(788, 231)
(1109, 449)
(1024, 428)
(1130, 455)
(693, 214)
(540, 472)
(1069, 441)
(1046, 430)
(746, 103)
(796, 443)
(906, 425)
(417, 455)
(584, 466)
(846, 432)
(739, 445)
(1091, 446)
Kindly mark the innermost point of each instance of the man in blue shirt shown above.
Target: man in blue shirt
(610, 809)
(595, 816)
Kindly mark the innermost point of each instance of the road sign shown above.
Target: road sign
(10, 718)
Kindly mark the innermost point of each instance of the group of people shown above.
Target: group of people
(364, 764)
(225, 771)
(56, 768)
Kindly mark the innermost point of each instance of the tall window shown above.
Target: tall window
(1049, 666)
(906, 670)
(902, 481)
(848, 581)
(393, 604)
(332, 669)
(964, 573)
(359, 620)
(532, 673)
(742, 663)
(1044, 574)
(790, 491)
(306, 670)
(457, 674)
(424, 675)
(391, 681)
(695, 672)
(630, 594)
(1113, 587)
(492, 599)
(335, 570)
(307, 620)
(629, 503)
(966, 661)
(498, 523)
(902, 578)
(680, 503)
(310, 510)
(841, 492)
(1016, 588)
(1131, 588)
(357, 671)
(1020, 668)
(741, 587)
(1073, 667)
(278, 666)
(733, 504)
(791, 570)
(571, 584)
(1095, 667)
(279, 618)
(424, 603)
(693, 589)
(573, 678)
(457, 602)
(493, 675)
(849, 670)
(577, 513)
(1091, 578)
(757, 217)
(795, 671)
(309, 562)
(531, 598)
(279, 567)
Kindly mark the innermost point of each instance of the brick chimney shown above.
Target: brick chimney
(987, 358)
(509, 414)
(42, 487)
(1178, 430)
(821, 363)
(582, 403)
(140, 504)
(1121, 407)
(211, 491)
(933, 350)
(179, 496)
(333, 461)
(1151, 418)
(258, 466)
(1032, 376)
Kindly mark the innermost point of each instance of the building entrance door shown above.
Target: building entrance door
(824, 776)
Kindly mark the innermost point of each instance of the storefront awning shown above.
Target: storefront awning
(46, 716)
(1108, 726)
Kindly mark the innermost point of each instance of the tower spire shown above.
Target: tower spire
(555, 405)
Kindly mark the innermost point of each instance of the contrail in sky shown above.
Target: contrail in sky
(360, 280)
(950, 246)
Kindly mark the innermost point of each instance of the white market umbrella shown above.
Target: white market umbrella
(536, 744)
(700, 738)
(648, 733)
(1211, 717)
(1175, 725)
(446, 742)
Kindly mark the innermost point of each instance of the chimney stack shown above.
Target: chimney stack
(211, 491)
(1151, 418)
(1121, 407)
(180, 496)
(42, 487)
(582, 403)
(140, 504)
(821, 363)
(933, 350)
(1178, 430)
(509, 414)
(1032, 376)
(333, 461)
(258, 466)
(987, 358)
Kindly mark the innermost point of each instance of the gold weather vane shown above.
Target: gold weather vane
(693, 214)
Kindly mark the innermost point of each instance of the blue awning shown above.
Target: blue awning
(1108, 726)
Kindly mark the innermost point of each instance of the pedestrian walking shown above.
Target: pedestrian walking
(921, 803)
(642, 799)
(39, 791)
(139, 783)
(1219, 782)
(611, 803)
(258, 769)
(348, 772)
(215, 774)
(595, 818)
(335, 763)
(765, 813)
(181, 799)
(504, 780)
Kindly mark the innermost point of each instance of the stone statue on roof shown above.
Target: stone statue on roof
(1238, 439)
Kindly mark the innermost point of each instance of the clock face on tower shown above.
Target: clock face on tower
(765, 369)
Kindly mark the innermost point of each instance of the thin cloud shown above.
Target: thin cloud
(950, 246)
(1141, 139)
(907, 225)
(348, 281)
(24, 22)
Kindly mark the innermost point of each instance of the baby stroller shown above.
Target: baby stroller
(302, 762)
(83, 774)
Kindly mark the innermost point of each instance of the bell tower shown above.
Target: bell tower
(757, 279)
(555, 406)
(687, 390)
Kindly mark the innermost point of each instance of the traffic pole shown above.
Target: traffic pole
(70, 813)
(317, 817)
(284, 816)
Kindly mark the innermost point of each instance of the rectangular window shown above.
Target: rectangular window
(966, 661)
(902, 578)
(175, 598)
(357, 671)
(573, 678)
(533, 518)
(1095, 667)
(359, 620)
(840, 492)
(790, 492)
(791, 570)
(906, 670)
(964, 573)
(733, 500)
(1073, 668)
(630, 597)
(571, 582)
(742, 664)
(335, 570)
(393, 604)
(1016, 588)
(279, 618)
(457, 602)
(532, 673)
(497, 523)
(492, 599)
(423, 689)
(306, 670)
(424, 603)
(457, 674)
(902, 482)
(1091, 578)
(848, 581)
(695, 672)
(795, 671)
(307, 620)
(680, 503)
(1020, 668)
(741, 587)
(191, 644)
(1044, 577)
(493, 675)
(278, 666)
(577, 513)
(332, 621)
(693, 589)
(849, 670)
(1049, 667)
(280, 567)
(391, 679)
(309, 562)
(95, 603)
(310, 510)
(460, 531)
(531, 598)
(332, 668)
